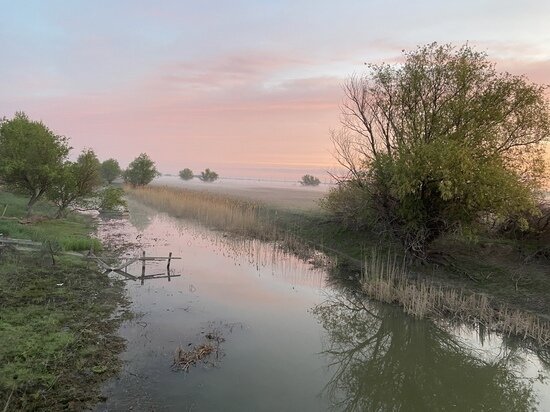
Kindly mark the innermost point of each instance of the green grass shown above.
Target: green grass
(58, 338)
(72, 233)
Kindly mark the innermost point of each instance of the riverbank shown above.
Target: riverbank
(58, 319)
(501, 268)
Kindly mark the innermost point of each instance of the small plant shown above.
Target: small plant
(186, 174)
(208, 176)
(309, 180)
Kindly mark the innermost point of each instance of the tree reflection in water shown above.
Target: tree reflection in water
(384, 360)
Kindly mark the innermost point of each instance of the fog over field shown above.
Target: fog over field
(289, 194)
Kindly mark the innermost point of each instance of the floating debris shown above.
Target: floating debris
(184, 359)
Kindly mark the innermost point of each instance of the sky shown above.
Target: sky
(247, 88)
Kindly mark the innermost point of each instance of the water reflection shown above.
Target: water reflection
(382, 360)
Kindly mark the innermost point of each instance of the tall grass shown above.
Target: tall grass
(385, 278)
(213, 210)
(246, 219)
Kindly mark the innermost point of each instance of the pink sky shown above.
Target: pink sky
(234, 87)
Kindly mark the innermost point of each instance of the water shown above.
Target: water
(295, 338)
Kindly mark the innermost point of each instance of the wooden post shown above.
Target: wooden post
(168, 265)
(143, 267)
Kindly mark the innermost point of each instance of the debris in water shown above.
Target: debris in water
(183, 359)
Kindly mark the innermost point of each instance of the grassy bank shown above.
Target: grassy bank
(72, 233)
(57, 323)
(498, 267)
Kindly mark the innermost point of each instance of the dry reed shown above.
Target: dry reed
(185, 359)
(385, 278)
(213, 210)
(221, 212)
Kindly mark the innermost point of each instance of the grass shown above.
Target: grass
(58, 338)
(72, 234)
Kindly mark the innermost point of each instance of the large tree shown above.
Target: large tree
(141, 171)
(31, 156)
(437, 142)
(78, 181)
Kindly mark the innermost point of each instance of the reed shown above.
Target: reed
(213, 210)
(385, 278)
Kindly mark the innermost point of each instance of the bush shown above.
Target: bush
(208, 176)
(309, 180)
(186, 174)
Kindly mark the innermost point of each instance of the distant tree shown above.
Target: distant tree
(186, 174)
(31, 156)
(110, 170)
(208, 176)
(309, 180)
(141, 171)
(77, 181)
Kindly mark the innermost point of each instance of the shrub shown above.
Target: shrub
(309, 180)
(186, 174)
(208, 176)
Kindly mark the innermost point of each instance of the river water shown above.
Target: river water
(292, 337)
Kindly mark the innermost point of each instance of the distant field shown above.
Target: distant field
(284, 195)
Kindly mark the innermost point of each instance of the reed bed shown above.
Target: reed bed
(385, 278)
(213, 210)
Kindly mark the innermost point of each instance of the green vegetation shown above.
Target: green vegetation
(31, 157)
(57, 333)
(141, 171)
(208, 176)
(110, 170)
(111, 199)
(72, 233)
(309, 180)
(442, 143)
(186, 174)
(76, 182)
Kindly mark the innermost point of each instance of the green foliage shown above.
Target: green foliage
(77, 181)
(70, 233)
(141, 171)
(460, 143)
(347, 203)
(31, 156)
(186, 174)
(208, 176)
(309, 180)
(110, 170)
(111, 199)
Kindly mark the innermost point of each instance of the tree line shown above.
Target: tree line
(34, 161)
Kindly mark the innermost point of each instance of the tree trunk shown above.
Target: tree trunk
(34, 198)
(61, 212)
